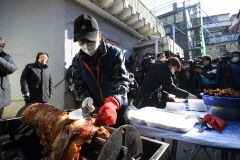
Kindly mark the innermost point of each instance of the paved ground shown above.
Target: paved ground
(183, 151)
(11, 110)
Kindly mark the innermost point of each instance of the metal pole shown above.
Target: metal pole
(156, 48)
(173, 27)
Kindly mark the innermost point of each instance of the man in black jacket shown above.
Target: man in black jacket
(36, 81)
(159, 78)
(99, 77)
(7, 66)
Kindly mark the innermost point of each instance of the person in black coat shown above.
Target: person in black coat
(159, 79)
(36, 81)
(7, 66)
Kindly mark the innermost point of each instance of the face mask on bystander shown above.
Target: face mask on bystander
(172, 70)
(235, 59)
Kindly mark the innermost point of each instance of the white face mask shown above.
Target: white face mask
(235, 59)
(172, 70)
(131, 79)
(90, 48)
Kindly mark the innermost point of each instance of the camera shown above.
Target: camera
(225, 61)
(224, 71)
(147, 61)
(195, 63)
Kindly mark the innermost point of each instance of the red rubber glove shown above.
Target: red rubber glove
(215, 122)
(108, 114)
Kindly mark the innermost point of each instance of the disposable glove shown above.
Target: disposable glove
(87, 104)
(215, 122)
(84, 110)
(108, 114)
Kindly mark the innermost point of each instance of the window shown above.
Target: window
(168, 29)
(178, 26)
(222, 48)
(212, 19)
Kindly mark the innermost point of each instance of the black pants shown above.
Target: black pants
(1, 112)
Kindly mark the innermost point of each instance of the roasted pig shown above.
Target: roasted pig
(60, 136)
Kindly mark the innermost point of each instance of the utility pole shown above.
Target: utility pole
(173, 28)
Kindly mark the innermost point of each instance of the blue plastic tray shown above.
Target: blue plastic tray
(221, 101)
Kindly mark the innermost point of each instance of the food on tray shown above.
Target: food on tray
(228, 92)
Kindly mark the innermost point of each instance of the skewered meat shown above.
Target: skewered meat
(61, 137)
(228, 92)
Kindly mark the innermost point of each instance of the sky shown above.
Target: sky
(211, 7)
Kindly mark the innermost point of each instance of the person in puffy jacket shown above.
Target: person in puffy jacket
(7, 66)
(99, 73)
(208, 74)
(36, 80)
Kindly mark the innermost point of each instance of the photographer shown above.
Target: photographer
(137, 69)
(224, 68)
(133, 87)
(148, 59)
(185, 77)
(159, 78)
(235, 68)
(161, 56)
(208, 74)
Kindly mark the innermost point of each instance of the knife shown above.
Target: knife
(81, 112)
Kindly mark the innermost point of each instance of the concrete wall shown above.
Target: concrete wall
(141, 51)
(214, 49)
(223, 17)
(30, 26)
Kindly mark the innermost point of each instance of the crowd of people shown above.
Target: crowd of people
(204, 74)
(194, 76)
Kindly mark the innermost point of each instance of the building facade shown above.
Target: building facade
(221, 34)
(184, 26)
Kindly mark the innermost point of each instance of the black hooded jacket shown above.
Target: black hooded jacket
(7, 66)
(36, 79)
